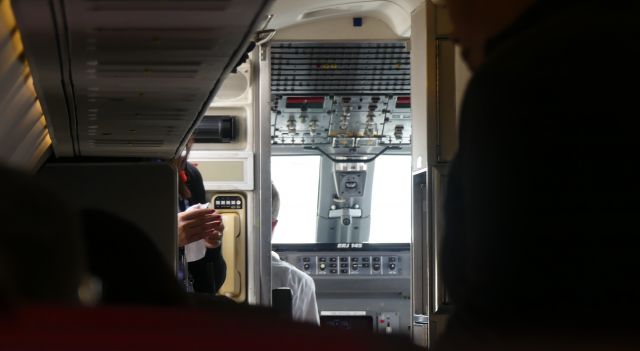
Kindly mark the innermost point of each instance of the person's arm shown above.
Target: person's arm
(219, 266)
(311, 309)
(212, 268)
(198, 224)
(304, 304)
(210, 272)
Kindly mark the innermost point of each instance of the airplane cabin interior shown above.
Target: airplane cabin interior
(348, 107)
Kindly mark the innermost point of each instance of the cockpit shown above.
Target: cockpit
(340, 157)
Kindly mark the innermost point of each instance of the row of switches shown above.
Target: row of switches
(330, 264)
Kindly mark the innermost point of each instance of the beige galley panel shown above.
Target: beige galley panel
(224, 170)
(233, 208)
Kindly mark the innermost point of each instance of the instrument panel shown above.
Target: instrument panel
(351, 265)
(365, 261)
(341, 121)
(359, 286)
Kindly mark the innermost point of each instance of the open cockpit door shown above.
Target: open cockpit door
(338, 110)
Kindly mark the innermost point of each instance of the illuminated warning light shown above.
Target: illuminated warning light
(305, 101)
(326, 66)
(403, 102)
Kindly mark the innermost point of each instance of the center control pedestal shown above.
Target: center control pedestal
(359, 287)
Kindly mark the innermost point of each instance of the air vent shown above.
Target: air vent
(130, 96)
(144, 72)
(152, 116)
(144, 39)
(158, 5)
(126, 142)
(216, 129)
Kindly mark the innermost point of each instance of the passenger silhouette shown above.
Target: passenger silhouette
(541, 209)
(130, 266)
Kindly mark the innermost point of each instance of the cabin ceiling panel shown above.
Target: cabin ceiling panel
(395, 13)
(131, 78)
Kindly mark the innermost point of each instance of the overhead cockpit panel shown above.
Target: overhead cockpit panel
(341, 97)
(342, 121)
(340, 68)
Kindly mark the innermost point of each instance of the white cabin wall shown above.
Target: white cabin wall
(422, 77)
(395, 13)
(233, 99)
(340, 28)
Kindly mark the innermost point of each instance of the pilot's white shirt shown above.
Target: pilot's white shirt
(303, 289)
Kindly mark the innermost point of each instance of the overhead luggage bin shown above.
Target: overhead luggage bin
(131, 78)
(24, 138)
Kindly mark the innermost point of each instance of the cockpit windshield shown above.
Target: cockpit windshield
(307, 209)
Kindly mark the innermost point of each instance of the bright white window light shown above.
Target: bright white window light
(296, 178)
(391, 200)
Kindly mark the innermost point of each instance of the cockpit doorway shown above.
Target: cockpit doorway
(341, 163)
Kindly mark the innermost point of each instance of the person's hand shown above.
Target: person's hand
(197, 224)
(214, 240)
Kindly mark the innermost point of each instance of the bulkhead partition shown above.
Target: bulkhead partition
(144, 193)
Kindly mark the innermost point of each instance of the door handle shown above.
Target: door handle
(420, 319)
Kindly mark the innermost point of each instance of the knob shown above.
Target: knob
(323, 266)
(306, 266)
